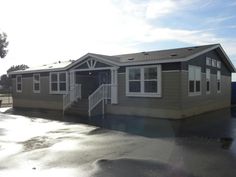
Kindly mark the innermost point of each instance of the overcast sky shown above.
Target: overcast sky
(45, 31)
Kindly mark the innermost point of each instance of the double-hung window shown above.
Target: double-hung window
(36, 83)
(218, 81)
(208, 61)
(208, 80)
(58, 82)
(143, 81)
(213, 63)
(18, 83)
(194, 80)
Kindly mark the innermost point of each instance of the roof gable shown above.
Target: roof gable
(92, 61)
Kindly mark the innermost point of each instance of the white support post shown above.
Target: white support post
(103, 100)
(114, 85)
(72, 83)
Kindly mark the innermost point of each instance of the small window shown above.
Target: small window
(208, 78)
(194, 80)
(54, 82)
(218, 64)
(18, 83)
(150, 80)
(135, 80)
(58, 82)
(213, 63)
(36, 83)
(143, 81)
(62, 81)
(208, 61)
(218, 82)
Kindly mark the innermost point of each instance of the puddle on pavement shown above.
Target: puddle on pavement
(98, 131)
(220, 122)
(226, 142)
(135, 167)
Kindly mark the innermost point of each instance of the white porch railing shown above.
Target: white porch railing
(71, 96)
(102, 93)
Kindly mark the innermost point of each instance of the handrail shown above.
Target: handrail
(102, 93)
(71, 96)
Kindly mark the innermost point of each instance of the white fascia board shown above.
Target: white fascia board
(226, 56)
(109, 62)
(36, 71)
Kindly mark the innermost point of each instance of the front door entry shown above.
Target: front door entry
(103, 78)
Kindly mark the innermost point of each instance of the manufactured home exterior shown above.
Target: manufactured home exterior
(175, 83)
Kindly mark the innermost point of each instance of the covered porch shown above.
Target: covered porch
(92, 82)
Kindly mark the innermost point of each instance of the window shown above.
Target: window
(36, 83)
(58, 82)
(218, 81)
(213, 63)
(194, 80)
(150, 80)
(218, 64)
(208, 78)
(135, 80)
(208, 61)
(18, 83)
(143, 81)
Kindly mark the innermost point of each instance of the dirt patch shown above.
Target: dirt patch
(38, 143)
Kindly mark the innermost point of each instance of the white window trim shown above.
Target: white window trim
(58, 83)
(218, 91)
(214, 63)
(218, 64)
(19, 91)
(36, 82)
(195, 93)
(208, 59)
(142, 93)
(208, 92)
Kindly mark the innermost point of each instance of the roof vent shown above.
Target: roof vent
(190, 49)
(145, 53)
(130, 58)
(173, 55)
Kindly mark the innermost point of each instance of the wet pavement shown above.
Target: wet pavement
(40, 144)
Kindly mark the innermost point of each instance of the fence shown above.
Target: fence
(6, 100)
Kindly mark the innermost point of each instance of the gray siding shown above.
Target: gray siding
(164, 66)
(193, 105)
(167, 106)
(35, 100)
(201, 61)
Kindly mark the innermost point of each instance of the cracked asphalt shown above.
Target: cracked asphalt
(33, 146)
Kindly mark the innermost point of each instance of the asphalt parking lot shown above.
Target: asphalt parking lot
(31, 145)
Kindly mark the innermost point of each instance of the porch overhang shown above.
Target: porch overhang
(93, 62)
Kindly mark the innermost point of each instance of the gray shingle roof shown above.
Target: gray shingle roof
(170, 55)
(163, 54)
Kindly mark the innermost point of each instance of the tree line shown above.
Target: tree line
(5, 81)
